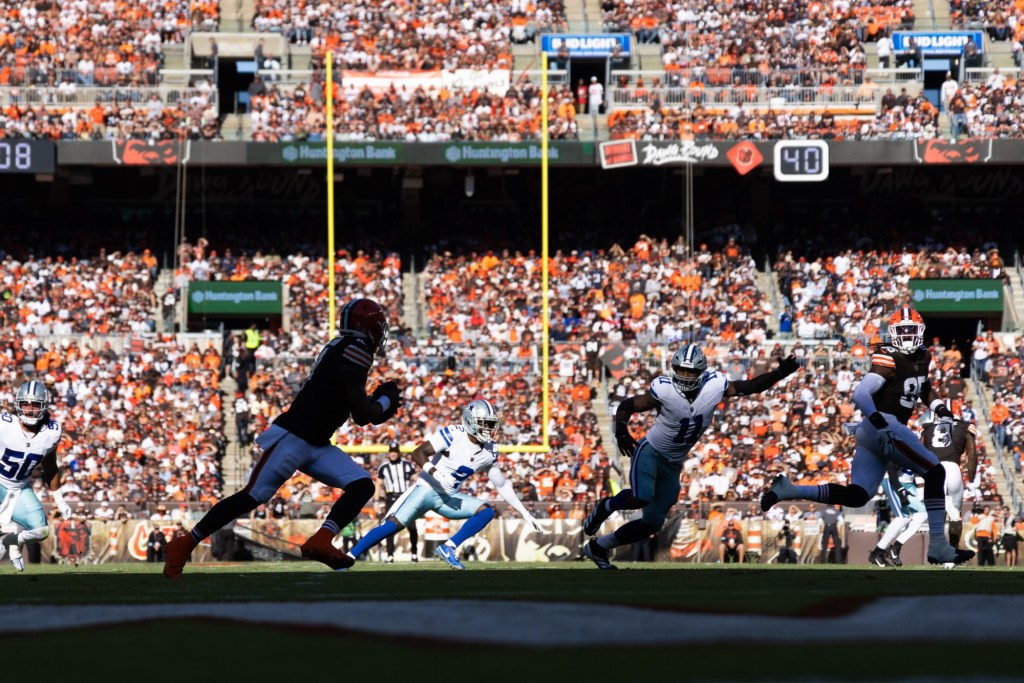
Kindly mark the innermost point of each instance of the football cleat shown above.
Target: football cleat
(176, 554)
(598, 555)
(879, 557)
(780, 489)
(893, 553)
(319, 547)
(415, 557)
(449, 555)
(949, 556)
(14, 555)
(592, 524)
(390, 559)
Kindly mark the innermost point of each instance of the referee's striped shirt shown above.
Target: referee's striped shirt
(396, 476)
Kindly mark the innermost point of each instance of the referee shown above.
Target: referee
(393, 478)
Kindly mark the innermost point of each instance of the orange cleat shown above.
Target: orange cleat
(177, 553)
(319, 547)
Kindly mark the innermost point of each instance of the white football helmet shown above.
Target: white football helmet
(688, 367)
(31, 403)
(481, 420)
(906, 330)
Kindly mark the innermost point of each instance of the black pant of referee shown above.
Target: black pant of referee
(414, 538)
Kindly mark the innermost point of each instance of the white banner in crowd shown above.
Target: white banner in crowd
(495, 82)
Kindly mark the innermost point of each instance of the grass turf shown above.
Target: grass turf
(220, 650)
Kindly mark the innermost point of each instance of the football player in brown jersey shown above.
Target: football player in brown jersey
(887, 396)
(300, 439)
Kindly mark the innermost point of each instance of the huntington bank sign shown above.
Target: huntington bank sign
(253, 297)
(957, 296)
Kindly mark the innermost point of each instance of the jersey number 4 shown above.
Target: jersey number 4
(15, 465)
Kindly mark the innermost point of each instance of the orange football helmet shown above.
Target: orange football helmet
(906, 330)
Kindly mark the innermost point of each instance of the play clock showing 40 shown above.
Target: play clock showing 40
(801, 161)
(26, 156)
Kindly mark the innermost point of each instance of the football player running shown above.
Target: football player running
(886, 396)
(686, 403)
(908, 515)
(949, 441)
(448, 458)
(29, 438)
(300, 439)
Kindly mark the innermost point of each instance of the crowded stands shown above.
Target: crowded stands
(386, 36)
(282, 113)
(106, 43)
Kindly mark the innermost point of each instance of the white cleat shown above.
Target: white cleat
(14, 555)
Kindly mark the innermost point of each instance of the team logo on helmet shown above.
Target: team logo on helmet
(906, 330)
(688, 367)
(481, 420)
(367, 318)
(31, 403)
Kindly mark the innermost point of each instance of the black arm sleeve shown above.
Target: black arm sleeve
(622, 415)
(746, 387)
(362, 409)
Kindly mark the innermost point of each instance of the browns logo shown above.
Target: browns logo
(744, 157)
(142, 153)
(938, 151)
(73, 538)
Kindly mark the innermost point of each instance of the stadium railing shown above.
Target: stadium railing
(87, 95)
(981, 74)
(302, 76)
(716, 76)
(1005, 464)
(854, 96)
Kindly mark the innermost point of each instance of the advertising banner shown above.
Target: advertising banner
(957, 296)
(494, 81)
(938, 42)
(235, 298)
(585, 45)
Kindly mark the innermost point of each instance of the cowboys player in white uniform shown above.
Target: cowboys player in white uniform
(686, 404)
(27, 439)
(448, 458)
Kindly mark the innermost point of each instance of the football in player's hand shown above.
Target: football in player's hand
(390, 390)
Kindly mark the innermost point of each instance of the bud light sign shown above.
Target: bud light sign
(593, 45)
(937, 42)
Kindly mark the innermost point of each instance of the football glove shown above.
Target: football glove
(626, 443)
(62, 506)
(788, 365)
(904, 496)
(884, 433)
(534, 523)
(389, 390)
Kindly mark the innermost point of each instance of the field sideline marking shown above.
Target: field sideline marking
(979, 618)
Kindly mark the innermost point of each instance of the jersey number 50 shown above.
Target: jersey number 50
(15, 465)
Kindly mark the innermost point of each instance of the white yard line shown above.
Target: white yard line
(981, 618)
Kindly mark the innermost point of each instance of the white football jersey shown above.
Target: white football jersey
(21, 451)
(457, 457)
(680, 423)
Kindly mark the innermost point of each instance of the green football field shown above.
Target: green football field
(641, 600)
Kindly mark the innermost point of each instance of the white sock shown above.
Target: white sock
(916, 522)
(895, 527)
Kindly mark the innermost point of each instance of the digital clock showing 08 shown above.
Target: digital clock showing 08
(801, 161)
(26, 156)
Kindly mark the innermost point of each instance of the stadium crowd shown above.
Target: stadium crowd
(280, 113)
(141, 415)
(386, 36)
(105, 43)
(118, 115)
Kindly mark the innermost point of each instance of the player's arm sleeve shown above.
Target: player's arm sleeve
(353, 380)
(422, 454)
(634, 404)
(50, 469)
(864, 394)
(508, 494)
(972, 452)
(764, 381)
